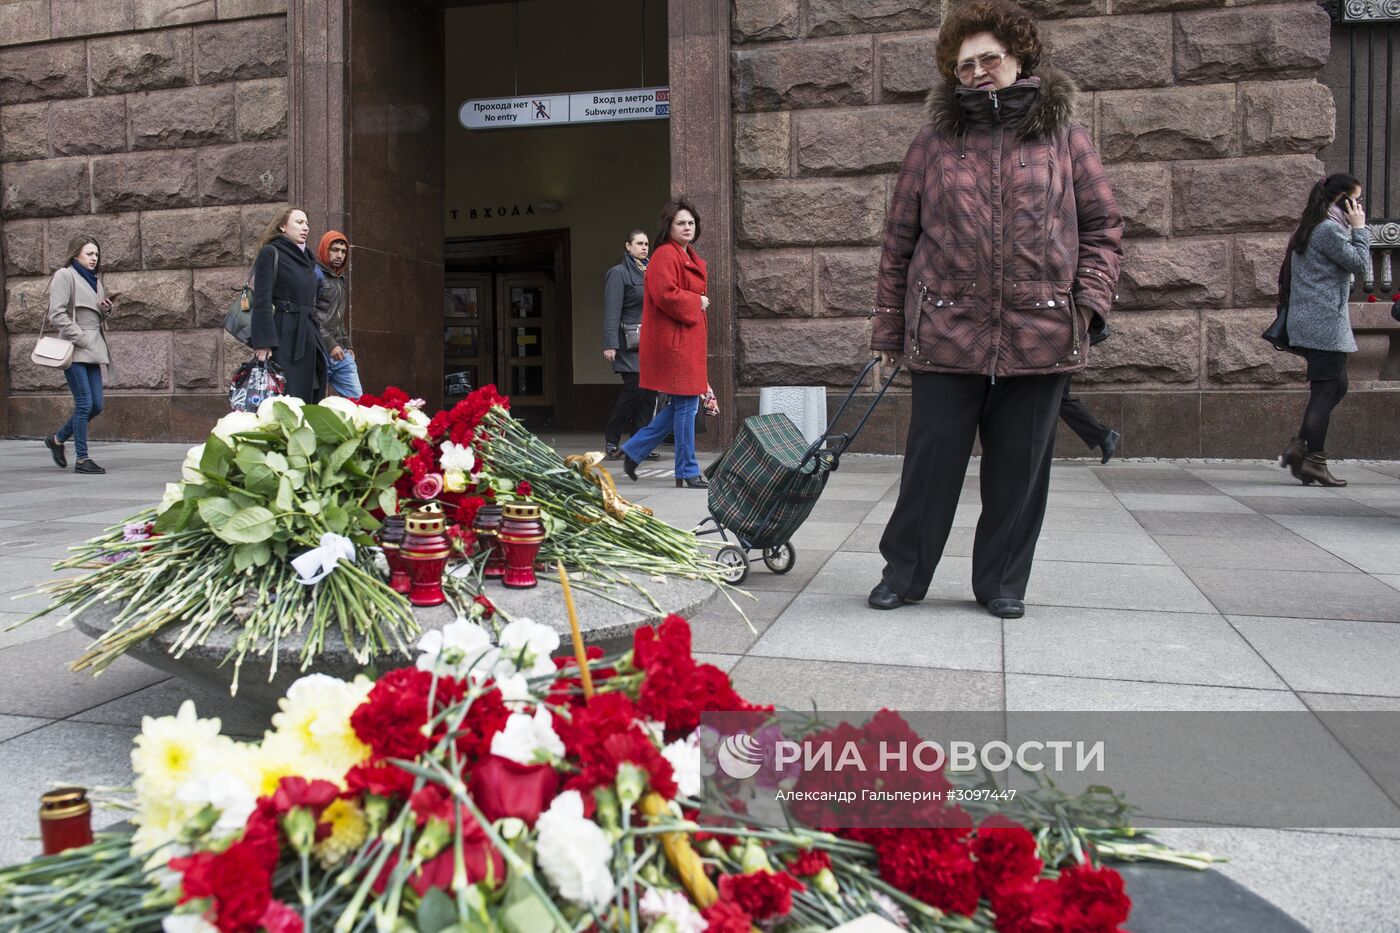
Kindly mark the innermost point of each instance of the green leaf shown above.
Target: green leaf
(527, 915)
(247, 526)
(297, 478)
(302, 442)
(389, 501)
(251, 555)
(284, 501)
(177, 517)
(311, 506)
(330, 427)
(336, 518)
(216, 459)
(285, 416)
(343, 453)
(276, 461)
(261, 480)
(216, 512)
(436, 912)
(248, 457)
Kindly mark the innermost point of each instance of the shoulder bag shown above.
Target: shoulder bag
(239, 320)
(1276, 334)
(55, 352)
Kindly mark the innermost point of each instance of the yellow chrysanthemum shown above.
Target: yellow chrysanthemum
(171, 749)
(313, 726)
(348, 829)
(158, 821)
(275, 759)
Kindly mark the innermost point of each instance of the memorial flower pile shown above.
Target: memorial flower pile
(486, 788)
(269, 529)
(476, 453)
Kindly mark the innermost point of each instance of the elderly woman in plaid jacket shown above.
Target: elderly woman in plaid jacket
(1001, 250)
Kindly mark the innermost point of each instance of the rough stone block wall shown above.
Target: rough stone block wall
(1208, 117)
(159, 127)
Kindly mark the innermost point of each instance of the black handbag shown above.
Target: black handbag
(1276, 334)
(238, 323)
(631, 336)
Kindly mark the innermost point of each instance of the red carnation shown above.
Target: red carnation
(931, 865)
(235, 879)
(295, 792)
(1005, 854)
(762, 894)
(1092, 899)
(809, 863)
(1371, 298)
(523, 488)
(478, 852)
(379, 778)
(726, 917)
(391, 719)
(1027, 907)
(280, 918)
(602, 736)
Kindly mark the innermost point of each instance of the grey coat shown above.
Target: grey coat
(75, 310)
(622, 304)
(1318, 315)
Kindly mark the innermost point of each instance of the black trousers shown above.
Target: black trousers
(1081, 420)
(631, 411)
(1015, 419)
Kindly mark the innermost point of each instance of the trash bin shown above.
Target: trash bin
(805, 405)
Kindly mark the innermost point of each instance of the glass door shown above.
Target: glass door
(468, 339)
(525, 314)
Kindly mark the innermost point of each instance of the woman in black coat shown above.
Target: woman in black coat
(284, 300)
(622, 318)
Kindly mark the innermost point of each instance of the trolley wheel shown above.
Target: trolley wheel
(735, 562)
(781, 558)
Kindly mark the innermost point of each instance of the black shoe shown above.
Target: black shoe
(88, 466)
(1110, 445)
(693, 482)
(56, 450)
(629, 466)
(1006, 607)
(882, 597)
(653, 456)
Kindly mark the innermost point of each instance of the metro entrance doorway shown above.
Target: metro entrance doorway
(506, 322)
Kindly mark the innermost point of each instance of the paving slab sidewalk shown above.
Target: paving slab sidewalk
(1159, 585)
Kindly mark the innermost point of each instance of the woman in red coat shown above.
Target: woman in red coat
(673, 342)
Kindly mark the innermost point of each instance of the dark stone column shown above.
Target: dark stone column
(701, 156)
(366, 120)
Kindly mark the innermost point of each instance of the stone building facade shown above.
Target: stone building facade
(172, 129)
(1209, 118)
(160, 128)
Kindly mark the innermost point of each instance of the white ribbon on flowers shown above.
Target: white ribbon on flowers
(316, 564)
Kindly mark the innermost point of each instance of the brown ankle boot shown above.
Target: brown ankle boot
(1292, 457)
(1314, 470)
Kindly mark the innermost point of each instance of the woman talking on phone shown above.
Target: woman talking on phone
(1330, 245)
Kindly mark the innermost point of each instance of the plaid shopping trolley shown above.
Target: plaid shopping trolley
(766, 484)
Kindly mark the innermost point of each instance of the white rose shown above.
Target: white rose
(684, 756)
(187, 923)
(235, 422)
(574, 852)
(341, 406)
(529, 740)
(456, 648)
(674, 906)
(417, 422)
(189, 470)
(173, 494)
(268, 416)
(527, 647)
(372, 416)
(457, 457)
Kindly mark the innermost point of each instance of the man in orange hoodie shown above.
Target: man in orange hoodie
(333, 314)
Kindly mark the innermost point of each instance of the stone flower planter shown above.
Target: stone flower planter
(604, 623)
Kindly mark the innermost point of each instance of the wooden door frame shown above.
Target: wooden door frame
(493, 254)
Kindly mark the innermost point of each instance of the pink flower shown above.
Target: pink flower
(428, 487)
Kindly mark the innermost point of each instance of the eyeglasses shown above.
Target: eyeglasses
(990, 61)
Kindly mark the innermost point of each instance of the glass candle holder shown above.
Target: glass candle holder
(521, 534)
(425, 552)
(65, 819)
(391, 537)
(487, 525)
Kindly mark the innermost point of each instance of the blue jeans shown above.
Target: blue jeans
(343, 376)
(85, 382)
(678, 417)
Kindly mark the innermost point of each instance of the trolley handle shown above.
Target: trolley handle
(820, 445)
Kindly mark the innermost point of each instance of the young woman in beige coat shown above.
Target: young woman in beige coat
(78, 309)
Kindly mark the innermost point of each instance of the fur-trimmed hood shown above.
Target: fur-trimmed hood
(1049, 112)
